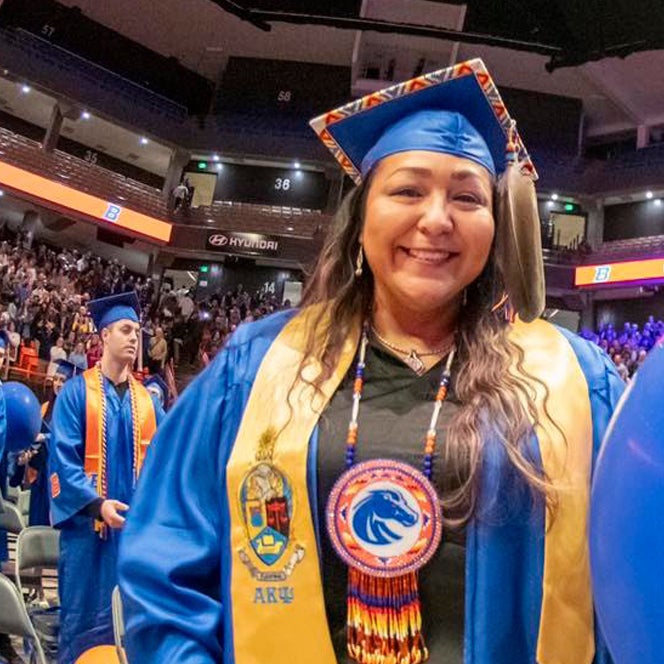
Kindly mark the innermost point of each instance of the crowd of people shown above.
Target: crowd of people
(628, 347)
(44, 293)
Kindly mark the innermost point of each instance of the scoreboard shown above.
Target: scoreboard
(263, 185)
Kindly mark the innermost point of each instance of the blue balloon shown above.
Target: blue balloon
(626, 533)
(23, 416)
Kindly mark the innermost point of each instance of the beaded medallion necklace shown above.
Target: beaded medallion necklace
(385, 522)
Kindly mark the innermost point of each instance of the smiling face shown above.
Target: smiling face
(428, 228)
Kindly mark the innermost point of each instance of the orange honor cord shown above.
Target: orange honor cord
(143, 428)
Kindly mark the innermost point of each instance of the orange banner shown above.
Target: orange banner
(98, 209)
(618, 273)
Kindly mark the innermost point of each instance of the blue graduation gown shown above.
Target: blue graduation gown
(39, 490)
(176, 555)
(87, 568)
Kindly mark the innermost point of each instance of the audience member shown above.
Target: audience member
(629, 346)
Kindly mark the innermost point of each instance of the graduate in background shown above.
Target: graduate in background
(32, 468)
(400, 471)
(156, 386)
(102, 424)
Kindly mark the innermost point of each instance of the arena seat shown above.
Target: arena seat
(14, 618)
(37, 549)
(118, 624)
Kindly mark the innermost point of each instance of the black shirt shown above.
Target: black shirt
(395, 412)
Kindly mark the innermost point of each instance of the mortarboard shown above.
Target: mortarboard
(66, 368)
(107, 310)
(455, 111)
(461, 111)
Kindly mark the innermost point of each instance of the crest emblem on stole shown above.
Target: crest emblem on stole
(266, 504)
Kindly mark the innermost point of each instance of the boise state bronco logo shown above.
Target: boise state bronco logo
(266, 499)
(384, 518)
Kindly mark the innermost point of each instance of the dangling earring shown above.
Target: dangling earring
(358, 262)
(464, 298)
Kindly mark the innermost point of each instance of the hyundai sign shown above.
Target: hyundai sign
(247, 244)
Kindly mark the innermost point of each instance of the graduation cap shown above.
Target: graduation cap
(107, 310)
(455, 111)
(66, 368)
(156, 383)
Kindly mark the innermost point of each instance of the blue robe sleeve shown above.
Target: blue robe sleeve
(170, 553)
(605, 387)
(67, 457)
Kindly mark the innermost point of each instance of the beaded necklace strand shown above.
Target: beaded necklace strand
(384, 620)
(358, 387)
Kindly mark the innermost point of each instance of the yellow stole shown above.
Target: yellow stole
(278, 610)
(144, 422)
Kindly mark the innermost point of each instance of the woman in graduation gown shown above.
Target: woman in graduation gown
(37, 463)
(399, 471)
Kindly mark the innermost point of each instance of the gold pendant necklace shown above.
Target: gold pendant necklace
(412, 357)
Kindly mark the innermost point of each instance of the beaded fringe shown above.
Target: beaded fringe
(384, 624)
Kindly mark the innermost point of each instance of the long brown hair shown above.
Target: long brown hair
(489, 379)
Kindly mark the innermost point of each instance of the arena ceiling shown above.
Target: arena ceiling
(605, 52)
(569, 31)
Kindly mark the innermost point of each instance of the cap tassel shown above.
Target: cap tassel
(519, 241)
